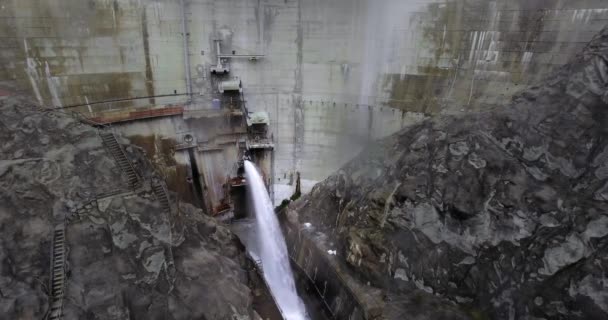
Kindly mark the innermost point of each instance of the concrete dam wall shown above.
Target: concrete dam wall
(335, 74)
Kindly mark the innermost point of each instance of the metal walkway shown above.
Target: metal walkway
(115, 117)
(109, 140)
(57, 285)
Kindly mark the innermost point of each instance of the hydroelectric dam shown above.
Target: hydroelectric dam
(303, 159)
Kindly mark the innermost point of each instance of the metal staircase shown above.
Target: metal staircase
(161, 195)
(109, 140)
(57, 285)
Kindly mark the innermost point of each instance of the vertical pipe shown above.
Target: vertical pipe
(217, 50)
(186, 52)
(271, 186)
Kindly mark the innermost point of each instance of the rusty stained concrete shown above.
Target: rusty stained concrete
(414, 59)
(159, 136)
(74, 52)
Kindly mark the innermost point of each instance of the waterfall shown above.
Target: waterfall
(272, 249)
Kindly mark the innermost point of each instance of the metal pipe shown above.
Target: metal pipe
(186, 53)
(272, 176)
(240, 55)
(217, 50)
(117, 100)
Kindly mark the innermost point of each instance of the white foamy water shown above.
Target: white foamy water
(272, 249)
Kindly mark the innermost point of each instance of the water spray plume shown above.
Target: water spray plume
(273, 251)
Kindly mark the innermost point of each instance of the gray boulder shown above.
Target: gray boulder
(127, 258)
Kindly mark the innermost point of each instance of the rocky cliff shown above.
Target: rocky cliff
(127, 257)
(503, 213)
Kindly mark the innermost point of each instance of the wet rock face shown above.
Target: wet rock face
(127, 258)
(503, 212)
